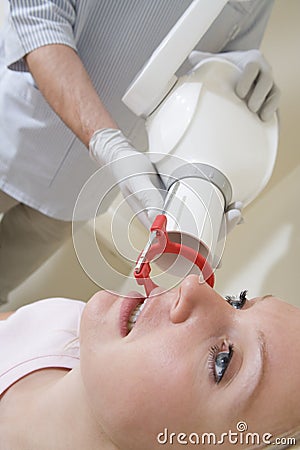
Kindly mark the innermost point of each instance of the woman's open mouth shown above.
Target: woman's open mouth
(131, 308)
(135, 314)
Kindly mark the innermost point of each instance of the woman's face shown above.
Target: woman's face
(191, 364)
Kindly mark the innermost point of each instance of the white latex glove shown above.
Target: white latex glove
(132, 170)
(255, 85)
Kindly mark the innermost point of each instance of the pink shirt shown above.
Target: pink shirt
(39, 335)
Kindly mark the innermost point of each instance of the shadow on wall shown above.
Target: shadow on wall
(263, 254)
(280, 46)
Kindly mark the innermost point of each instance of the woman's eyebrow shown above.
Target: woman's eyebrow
(263, 353)
(255, 375)
(261, 339)
(265, 296)
(254, 302)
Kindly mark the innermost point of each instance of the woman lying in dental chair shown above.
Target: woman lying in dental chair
(192, 369)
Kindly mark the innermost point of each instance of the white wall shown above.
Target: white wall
(261, 255)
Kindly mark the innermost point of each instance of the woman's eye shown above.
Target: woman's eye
(219, 361)
(235, 301)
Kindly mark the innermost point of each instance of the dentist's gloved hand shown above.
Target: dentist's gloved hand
(255, 85)
(131, 169)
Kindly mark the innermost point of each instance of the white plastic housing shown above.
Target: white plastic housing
(202, 120)
(158, 75)
(194, 216)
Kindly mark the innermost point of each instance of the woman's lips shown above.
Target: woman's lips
(130, 302)
(134, 299)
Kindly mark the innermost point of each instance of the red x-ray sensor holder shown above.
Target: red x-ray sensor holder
(160, 243)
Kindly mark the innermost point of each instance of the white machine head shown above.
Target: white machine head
(207, 146)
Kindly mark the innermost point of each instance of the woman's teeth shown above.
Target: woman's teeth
(135, 314)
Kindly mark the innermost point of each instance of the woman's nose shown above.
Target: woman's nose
(197, 296)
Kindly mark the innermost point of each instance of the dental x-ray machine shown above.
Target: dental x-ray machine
(208, 147)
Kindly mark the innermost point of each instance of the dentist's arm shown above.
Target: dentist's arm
(65, 84)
